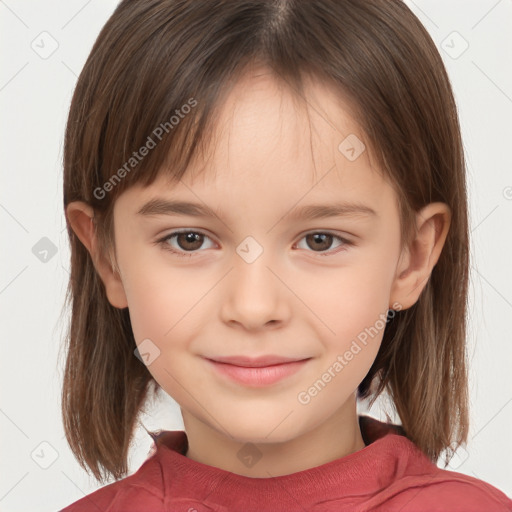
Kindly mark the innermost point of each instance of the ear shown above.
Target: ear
(419, 258)
(80, 217)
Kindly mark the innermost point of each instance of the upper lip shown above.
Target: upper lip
(256, 362)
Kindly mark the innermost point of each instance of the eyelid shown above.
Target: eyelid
(327, 231)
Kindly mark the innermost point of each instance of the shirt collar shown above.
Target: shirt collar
(385, 458)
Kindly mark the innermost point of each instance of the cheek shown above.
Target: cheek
(156, 294)
(352, 304)
(350, 299)
(164, 310)
(154, 309)
(167, 303)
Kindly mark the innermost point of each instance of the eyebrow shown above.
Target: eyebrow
(159, 206)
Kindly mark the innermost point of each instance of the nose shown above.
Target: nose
(255, 296)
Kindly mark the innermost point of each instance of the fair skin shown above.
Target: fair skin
(301, 297)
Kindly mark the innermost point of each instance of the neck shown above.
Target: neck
(337, 437)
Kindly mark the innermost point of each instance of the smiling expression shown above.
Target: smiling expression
(286, 248)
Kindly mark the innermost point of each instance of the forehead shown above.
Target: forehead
(263, 123)
(268, 142)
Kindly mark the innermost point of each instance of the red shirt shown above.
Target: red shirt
(389, 474)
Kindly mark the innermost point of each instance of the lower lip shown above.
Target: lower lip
(260, 376)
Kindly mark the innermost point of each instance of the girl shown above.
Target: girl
(210, 146)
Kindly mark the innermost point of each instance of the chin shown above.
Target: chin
(268, 430)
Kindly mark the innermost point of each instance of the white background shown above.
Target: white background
(35, 94)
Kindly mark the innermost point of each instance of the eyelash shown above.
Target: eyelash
(165, 245)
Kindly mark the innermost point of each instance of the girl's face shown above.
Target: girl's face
(273, 272)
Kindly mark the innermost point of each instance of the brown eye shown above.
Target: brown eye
(189, 241)
(321, 242)
(184, 243)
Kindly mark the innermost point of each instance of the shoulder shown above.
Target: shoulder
(413, 482)
(450, 491)
(440, 490)
(142, 490)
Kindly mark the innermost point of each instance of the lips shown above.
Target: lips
(256, 362)
(256, 372)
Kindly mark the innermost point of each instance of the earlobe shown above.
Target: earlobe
(80, 217)
(419, 258)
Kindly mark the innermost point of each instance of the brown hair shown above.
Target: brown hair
(154, 57)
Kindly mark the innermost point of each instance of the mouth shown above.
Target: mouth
(256, 372)
(256, 362)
